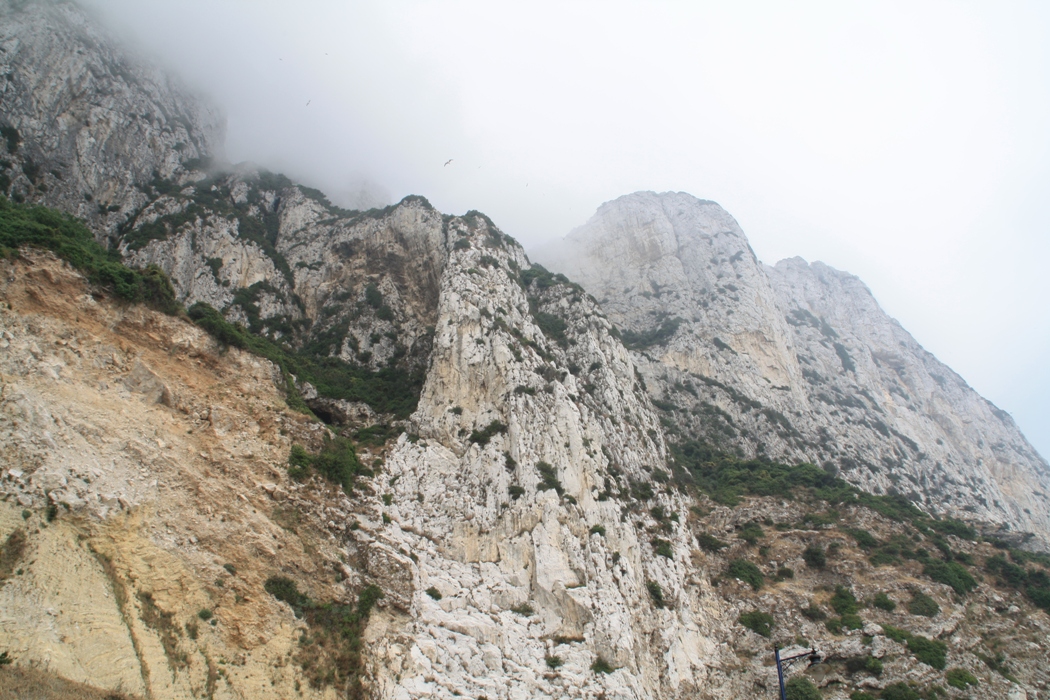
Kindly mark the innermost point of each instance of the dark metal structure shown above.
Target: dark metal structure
(783, 663)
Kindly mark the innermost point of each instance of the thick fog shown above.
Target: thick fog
(905, 142)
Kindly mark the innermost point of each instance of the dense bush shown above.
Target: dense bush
(931, 652)
(662, 548)
(549, 478)
(868, 664)
(337, 462)
(863, 538)
(950, 573)
(884, 602)
(813, 612)
(388, 390)
(656, 593)
(757, 621)
(850, 621)
(899, 691)
(285, 590)
(751, 533)
(922, 604)
(801, 688)
(844, 602)
(657, 336)
(961, 678)
(726, 478)
(482, 437)
(951, 526)
(1034, 582)
(746, 572)
(814, 557)
(710, 543)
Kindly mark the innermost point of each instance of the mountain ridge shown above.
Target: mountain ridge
(790, 338)
(513, 493)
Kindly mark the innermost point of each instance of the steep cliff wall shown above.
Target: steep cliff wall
(797, 362)
(84, 126)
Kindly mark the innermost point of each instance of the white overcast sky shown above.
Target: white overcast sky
(906, 142)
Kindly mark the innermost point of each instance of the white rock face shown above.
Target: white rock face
(490, 533)
(87, 125)
(798, 362)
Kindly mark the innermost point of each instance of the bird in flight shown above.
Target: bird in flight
(447, 162)
(308, 102)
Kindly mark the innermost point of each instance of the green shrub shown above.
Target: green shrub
(884, 602)
(549, 478)
(813, 612)
(844, 602)
(784, 573)
(757, 621)
(931, 652)
(899, 691)
(656, 593)
(751, 533)
(600, 665)
(515, 492)
(663, 548)
(868, 664)
(726, 477)
(961, 678)
(553, 662)
(861, 695)
(69, 239)
(524, 609)
(896, 633)
(863, 538)
(482, 437)
(850, 621)
(814, 557)
(337, 462)
(951, 526)
(434, 593)
(801, 688)
(950, 573)
(746, 572)
(598, 530)
(710, 543)
(922, 604)
(204, 614)
(285, 590)
(388, 390)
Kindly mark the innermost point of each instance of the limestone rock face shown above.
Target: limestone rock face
(83, 124)
(797, 362)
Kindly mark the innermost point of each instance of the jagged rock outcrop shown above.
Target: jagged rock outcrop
(797, 362)
(83, 125)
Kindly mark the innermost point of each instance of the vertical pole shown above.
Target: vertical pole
(780, 672)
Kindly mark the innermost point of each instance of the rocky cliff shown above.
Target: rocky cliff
(84, 126)
(797, 362)
(381, 454)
